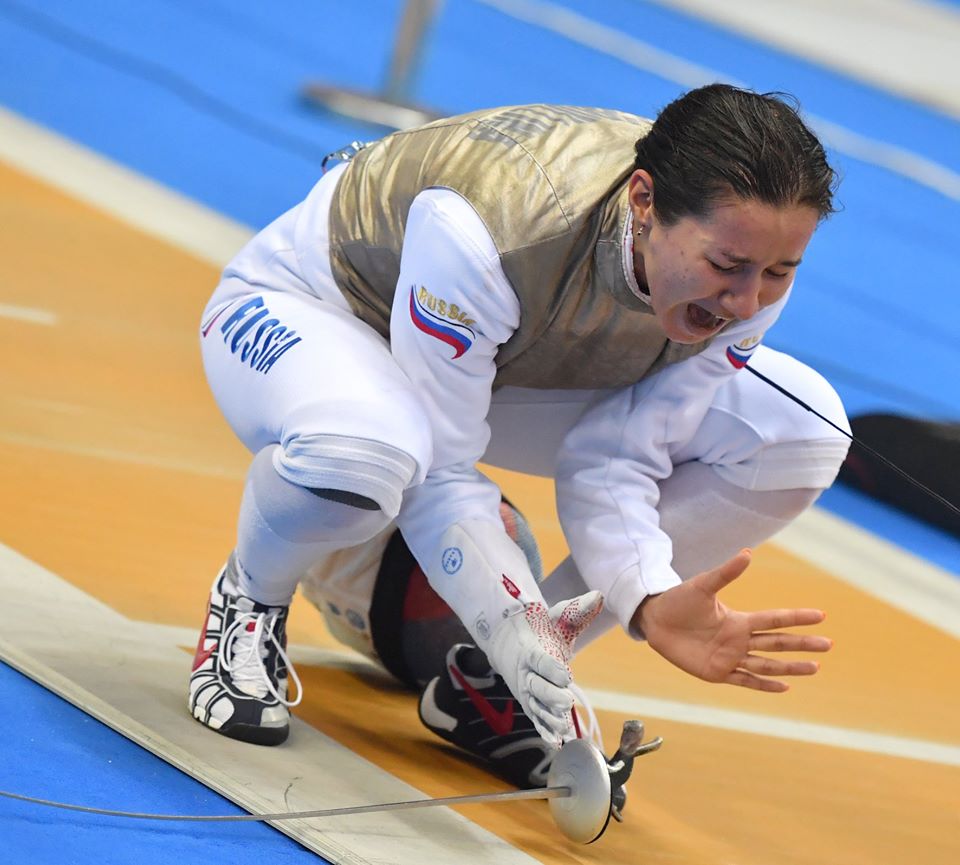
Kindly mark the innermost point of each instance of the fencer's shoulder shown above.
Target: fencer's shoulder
(533, 120)
(446, 213)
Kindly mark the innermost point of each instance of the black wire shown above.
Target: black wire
(890, 464)
(829, 367)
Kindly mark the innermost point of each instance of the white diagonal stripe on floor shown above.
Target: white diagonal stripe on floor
(28, 314)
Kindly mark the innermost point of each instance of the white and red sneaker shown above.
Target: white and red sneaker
(238, 685)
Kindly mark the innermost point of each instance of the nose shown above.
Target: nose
(741, 299)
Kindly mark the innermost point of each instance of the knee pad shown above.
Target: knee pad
(360, 467)
(299, 516)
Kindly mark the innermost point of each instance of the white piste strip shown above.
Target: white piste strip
(120, 192)
(908, 47)
(641, 55)
(29, 314)
(130, 677)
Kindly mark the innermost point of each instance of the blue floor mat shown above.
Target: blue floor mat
(52, 750)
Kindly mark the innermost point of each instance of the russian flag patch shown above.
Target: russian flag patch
(458, 336)
(739, 353)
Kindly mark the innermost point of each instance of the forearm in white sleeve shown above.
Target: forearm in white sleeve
(612, 461)
(453, 308)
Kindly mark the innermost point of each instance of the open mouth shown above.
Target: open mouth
(702, 319)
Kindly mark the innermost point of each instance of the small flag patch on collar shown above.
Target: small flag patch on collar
(739, 353)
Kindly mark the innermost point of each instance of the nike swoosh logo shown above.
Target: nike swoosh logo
(500, 721)
(207, 325)
(203, 654)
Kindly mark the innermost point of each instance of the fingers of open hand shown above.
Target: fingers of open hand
(774, 620)
(715, 579)
(775, 667)
(746, 679)
(786, 642)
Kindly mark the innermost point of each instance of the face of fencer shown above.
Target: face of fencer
(702, 272)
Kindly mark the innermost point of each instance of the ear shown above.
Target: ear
(640, 195)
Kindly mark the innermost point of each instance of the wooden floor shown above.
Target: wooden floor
(120, 476)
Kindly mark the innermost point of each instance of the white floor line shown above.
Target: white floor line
(876, 567)
(48, 405)
(120, 192)
(28, 314)
(635, 52)
(908, 47)
(779, 728)
(173, 464)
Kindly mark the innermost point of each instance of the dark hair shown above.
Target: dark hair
(717, 140)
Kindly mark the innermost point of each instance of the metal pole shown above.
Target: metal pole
(391, 107)
(417, 17)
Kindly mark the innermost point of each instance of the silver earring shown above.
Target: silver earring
(640, 230)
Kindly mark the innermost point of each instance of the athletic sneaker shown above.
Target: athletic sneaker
(238, 685)
(472, 707)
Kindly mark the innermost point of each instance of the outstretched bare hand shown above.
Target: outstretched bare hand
(693, 630)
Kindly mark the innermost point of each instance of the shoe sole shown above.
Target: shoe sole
(256, 735)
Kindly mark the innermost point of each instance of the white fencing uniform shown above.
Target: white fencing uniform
(288, 361)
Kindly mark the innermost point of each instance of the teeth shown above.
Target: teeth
(706, 319)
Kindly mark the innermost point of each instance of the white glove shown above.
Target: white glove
(532, 651)
(484, 577)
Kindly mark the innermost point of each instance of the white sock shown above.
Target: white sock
(710, 519)
(284, 528)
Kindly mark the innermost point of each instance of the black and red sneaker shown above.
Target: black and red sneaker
(472, 707)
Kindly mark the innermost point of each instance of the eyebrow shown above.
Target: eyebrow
(741, 259)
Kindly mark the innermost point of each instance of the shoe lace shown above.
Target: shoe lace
(590, 731)
(245, 649)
